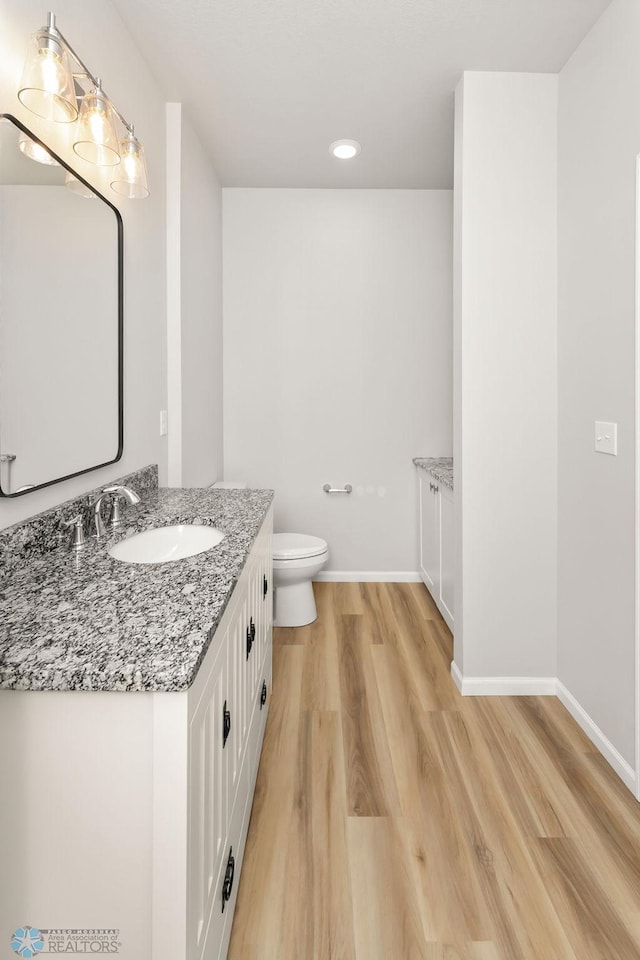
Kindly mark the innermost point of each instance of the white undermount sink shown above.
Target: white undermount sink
(165, 544)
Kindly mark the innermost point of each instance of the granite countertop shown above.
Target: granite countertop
(439, 467)
(89, 622)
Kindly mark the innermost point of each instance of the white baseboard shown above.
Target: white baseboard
(503, 686)
(624, 770)
(457, 676)
(544, 686)
(368, 576)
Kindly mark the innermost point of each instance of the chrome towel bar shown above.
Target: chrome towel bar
(329, 489)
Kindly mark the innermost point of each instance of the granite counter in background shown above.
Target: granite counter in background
(441, 468)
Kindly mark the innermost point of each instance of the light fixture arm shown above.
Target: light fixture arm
(86, 74)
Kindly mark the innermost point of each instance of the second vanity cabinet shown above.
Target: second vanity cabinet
(129, 811)
(437, 543)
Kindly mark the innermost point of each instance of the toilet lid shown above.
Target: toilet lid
(295, 546)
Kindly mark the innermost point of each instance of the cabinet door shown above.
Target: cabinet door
(238, 684)
(429, 535)
(227, 893)
(447, 558)
(209, 812)
(266, 594)
(255, 606)
(265, 598)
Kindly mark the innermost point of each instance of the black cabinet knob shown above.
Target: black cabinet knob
(226, 724)
(263, 694)
(249, 641)
(227, 883)
(265, 586)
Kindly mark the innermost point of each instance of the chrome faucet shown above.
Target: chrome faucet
(116, 493)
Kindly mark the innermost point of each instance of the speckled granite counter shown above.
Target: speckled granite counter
(439, 467)
(93, 623)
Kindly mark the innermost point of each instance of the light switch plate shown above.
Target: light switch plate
(606, 438)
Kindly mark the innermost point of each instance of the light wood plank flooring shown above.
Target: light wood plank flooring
(394, 819)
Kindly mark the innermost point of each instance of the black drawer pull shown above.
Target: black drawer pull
(227, 884)
(263, 694)
(265, 586)
(226, 724)
(249, 641)
(252, 627)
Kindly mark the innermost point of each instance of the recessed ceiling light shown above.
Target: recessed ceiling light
(345, 149)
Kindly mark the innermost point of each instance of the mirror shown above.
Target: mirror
(61, 353)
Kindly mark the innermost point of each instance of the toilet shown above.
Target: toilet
(297, 558)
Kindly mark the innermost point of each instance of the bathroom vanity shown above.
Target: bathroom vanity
(132, 712)
(436, 538)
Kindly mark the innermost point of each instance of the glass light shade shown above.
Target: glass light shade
(96, 139)
(78, 187)
(47, 87)
(35, 151)
(130, 179)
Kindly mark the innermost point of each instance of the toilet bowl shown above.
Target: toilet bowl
(297, 558)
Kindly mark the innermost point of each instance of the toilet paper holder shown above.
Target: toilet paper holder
(329, 489)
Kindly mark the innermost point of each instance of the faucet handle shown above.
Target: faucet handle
(119, 492)
(78, 533)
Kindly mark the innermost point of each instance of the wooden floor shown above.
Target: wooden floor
(394, 819)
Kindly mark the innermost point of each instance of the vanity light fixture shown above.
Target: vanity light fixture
(35, 151)
(52, 74)
(96, 139)
(130, 176)
(47, 87)
(345, 149)
(78, 187)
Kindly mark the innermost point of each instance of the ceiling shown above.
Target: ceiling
(269, 84)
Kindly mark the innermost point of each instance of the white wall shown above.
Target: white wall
(505, 374)
(599, 138)
(194, 297)
(201, 315)
(337, 366)
(99, 36)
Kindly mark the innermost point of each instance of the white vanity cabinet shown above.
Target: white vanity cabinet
(437, 543)
(129, 810)
(227, 711)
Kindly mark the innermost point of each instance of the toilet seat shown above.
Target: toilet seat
(297, 546)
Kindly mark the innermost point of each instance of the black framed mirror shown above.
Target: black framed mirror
(61, 319)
